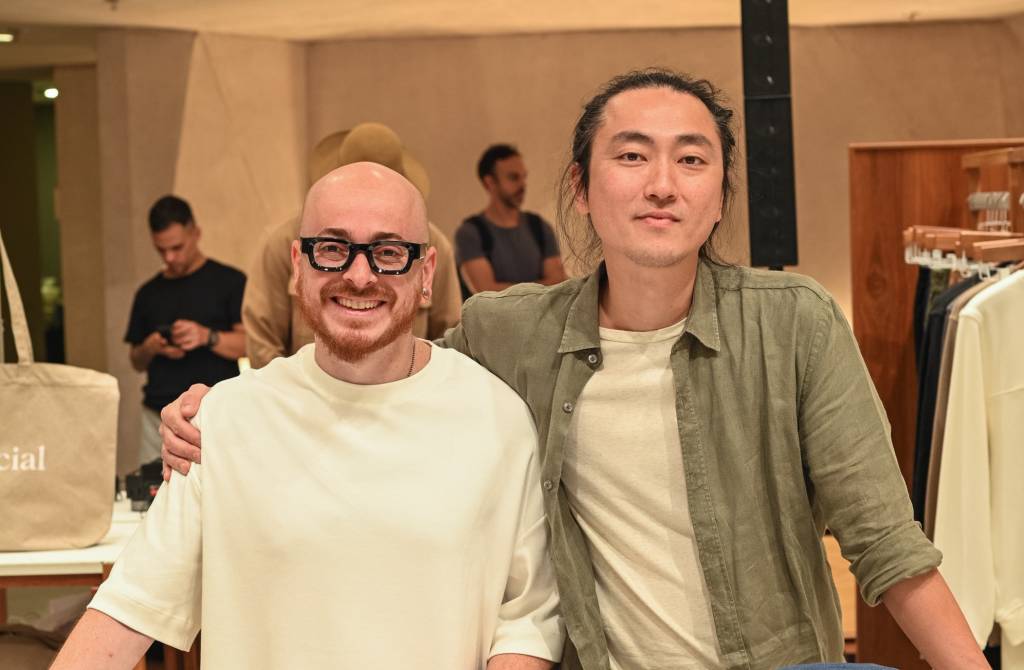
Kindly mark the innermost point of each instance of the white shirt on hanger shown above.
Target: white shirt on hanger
(978, 521)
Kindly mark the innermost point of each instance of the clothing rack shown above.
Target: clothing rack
(894, 185)
(966, 252)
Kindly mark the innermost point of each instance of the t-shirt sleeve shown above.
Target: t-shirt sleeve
(155, 586)
(550, 240)
(529, 621)
(138, 329)
(468, 244)
(235, 298)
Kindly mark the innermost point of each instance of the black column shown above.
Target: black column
(769, 133)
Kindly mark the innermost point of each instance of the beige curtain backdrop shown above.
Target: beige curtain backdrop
(226, 121)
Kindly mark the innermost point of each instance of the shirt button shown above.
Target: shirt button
(548, 485)
(592, 359)
(567, 407)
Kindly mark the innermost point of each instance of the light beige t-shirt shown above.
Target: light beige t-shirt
(333, 525)
(623, 474)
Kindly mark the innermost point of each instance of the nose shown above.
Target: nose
(661, 185)
(360, 275)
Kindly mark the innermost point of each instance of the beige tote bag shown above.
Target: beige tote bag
(58, 441)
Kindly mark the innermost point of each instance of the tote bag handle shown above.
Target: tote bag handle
(19, 324)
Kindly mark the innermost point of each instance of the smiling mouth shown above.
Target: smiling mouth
(658, 220)
(660, 217)
(357, 305)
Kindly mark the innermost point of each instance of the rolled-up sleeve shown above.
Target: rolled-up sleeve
(856, 479)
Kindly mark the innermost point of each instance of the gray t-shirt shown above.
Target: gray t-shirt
(514, 256)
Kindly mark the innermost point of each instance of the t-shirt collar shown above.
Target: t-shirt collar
(581, 324)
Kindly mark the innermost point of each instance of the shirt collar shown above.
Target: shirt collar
(581, 323)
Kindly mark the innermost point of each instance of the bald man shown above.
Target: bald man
(402, 527)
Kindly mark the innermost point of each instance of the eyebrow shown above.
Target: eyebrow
(344, 234)
(698, 139)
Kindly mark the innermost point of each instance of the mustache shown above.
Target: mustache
(341, 288)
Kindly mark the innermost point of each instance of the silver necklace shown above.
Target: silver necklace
(412, 363)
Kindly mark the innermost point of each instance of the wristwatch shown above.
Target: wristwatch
(214, 338)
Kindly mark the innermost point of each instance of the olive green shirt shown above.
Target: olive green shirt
(782, 435)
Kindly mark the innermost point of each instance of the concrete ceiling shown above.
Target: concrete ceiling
(326, 19)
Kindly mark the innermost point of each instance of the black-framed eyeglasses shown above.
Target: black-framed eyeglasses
(386, 257)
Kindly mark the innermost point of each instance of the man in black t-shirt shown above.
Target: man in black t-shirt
(504, 245)
(186, 322)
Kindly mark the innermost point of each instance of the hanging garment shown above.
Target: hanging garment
(941, 397)
(930, 285)
(921, 291)
(977, 517)
(927, 386)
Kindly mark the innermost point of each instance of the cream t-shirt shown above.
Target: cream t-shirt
(623, 474)
(334, 525)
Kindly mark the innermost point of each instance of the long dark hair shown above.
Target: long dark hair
(580, 238)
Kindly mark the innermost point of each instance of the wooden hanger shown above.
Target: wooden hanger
(969, 237)
(997, 251)
(956, 240)
(916, 234)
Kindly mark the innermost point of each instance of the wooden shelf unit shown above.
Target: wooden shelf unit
(1005, 167)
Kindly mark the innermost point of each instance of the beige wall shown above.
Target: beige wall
(79, 215)
(242, 156)
(448, 98)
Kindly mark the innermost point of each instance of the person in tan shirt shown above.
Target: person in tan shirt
(274, 326)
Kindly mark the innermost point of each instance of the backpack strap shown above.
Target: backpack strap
(486, 244)
(486, 238)
(537, 229)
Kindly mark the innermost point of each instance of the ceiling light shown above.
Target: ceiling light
(7, 36)
(51, 93)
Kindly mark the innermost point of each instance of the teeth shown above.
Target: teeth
(357, 304)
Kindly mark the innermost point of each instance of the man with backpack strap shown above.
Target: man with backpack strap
(504, 245)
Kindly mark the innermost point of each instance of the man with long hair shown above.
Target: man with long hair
(701, 424)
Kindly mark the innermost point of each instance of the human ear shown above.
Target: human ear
(427, 276)
(579, 199)
(296, 260)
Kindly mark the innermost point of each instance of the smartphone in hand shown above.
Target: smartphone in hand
(165, 332)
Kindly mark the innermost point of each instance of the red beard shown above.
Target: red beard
(351, 345)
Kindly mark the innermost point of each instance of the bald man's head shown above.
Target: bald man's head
(365, 199)
(356, 311)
